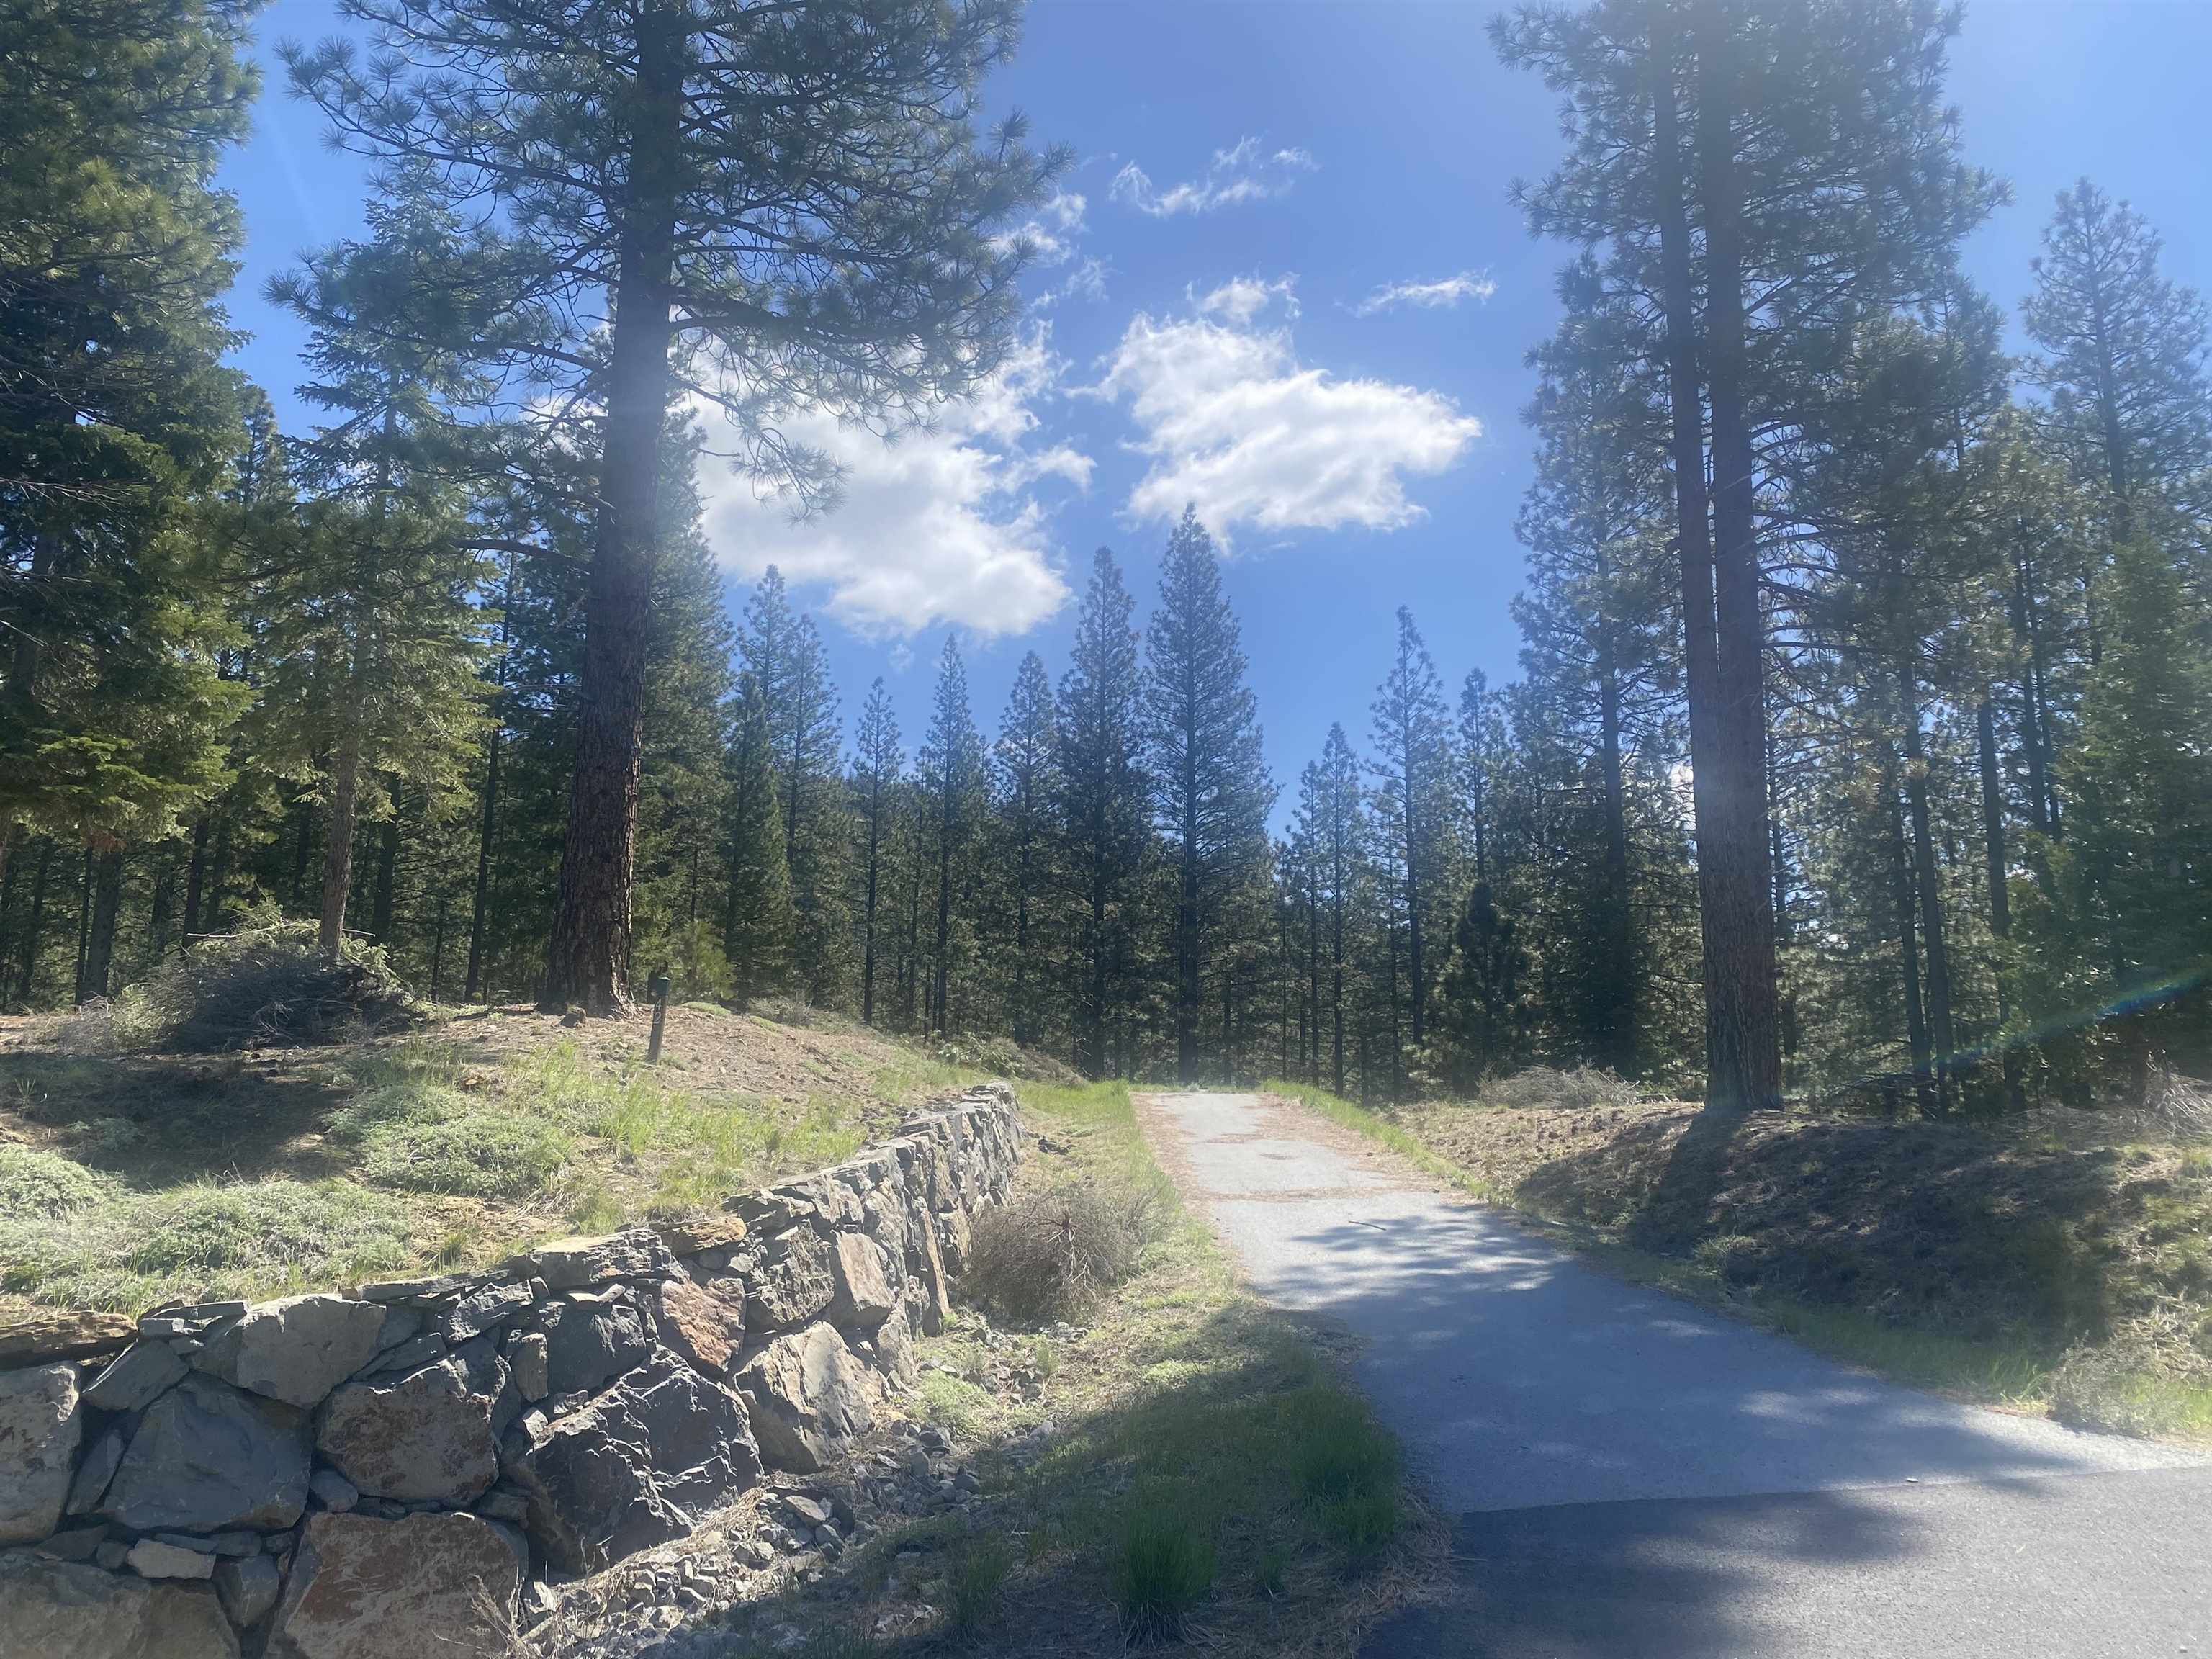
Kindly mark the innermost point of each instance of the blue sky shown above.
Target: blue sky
(1294, 288)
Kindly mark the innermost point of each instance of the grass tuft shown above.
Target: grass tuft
(976, 1588)
(1166, 1568)
(37, 1185)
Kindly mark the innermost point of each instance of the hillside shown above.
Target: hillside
(129, 1179)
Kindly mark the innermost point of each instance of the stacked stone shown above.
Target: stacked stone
(368, 1476)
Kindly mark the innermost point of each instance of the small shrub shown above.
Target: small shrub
(1166, 1568)
(1579, 1090)
(264, 984)
(39, 1184)
(2147, 1380)
(1050, 1252)
(976, 1587)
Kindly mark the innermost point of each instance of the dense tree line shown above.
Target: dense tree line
(1859, 736)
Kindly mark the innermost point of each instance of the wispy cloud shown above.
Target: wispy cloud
(1229, 419)
(1246, 171)
(1445, 291)
(1053, 234)
(1241, 299)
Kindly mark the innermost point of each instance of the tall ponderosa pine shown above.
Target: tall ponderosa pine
(768, 208)
(758, 923)
(1101, 808)
(1328, 833)
(1202, 731)
(1413, 768)
(949, 775)
(878, 769)
(1025, 767)
(1768, 171)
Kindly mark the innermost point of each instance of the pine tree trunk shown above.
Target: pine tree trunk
(338, 836)
(387, 878)
(1694, 535)
(106, 907)
(1744, 1062)
(1617, 1022)
(868, 907)
(2035, 716)
(28, 966)
(1186, 960)
(1336, 966)
(592, 924)
(473, 986)
(1903, 885)
(160, 909)
(1413, 882)
(195, 881)
(438, 945)
(940, 975)
(1926, 877)
(77, 992)
(1993, 849)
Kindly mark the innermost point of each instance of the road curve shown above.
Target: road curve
(1636, 1479)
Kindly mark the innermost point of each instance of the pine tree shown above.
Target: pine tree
(1025, 764)
(1412, 767)
(950, 772)
(777, 210)
(1101, 810)
(757, 922)
(117, 415)
(878, 769)
(783, 651)
(1711, 144)
(1203, 737)
(2123, 355)
(1328, 831)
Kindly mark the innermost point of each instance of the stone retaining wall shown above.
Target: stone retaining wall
(373, 1476)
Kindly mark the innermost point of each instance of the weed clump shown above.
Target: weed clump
(1052, 1251)
(265, 984)
(39, 1185)
(1166, 1568)
(1584, 1089)
(977, 1588)
(1349, 1469)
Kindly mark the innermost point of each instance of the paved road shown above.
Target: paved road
(1636, 1478)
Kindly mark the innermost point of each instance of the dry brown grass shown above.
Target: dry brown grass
(2052, 1264)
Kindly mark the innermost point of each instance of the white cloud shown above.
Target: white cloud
(1087, 282)
(1241, 299)
(1230, 420)
(1245, 172)
(1053, 234)
(938, 525)
(1444, 291)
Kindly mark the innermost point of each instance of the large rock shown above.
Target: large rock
(411, 1588)
(590, 1341)
(248, 1589)
(137, 1377)
(810, 1396)
(63, 1336)
(296, 1350)
(426, 1438)
(637, 1467)
(794, 1283)
(704, 1327)
(865, 1296)
(206, 1457)
(65, 1610)
(40, 1426)
(572, 1263)
(95, 1469)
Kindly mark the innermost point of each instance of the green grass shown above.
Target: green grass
(36, 1184)
(976, 1587)
(245, 1239)
(1207, 1467)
